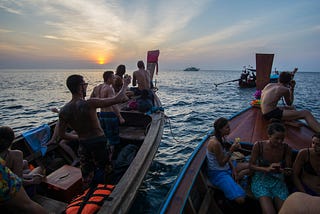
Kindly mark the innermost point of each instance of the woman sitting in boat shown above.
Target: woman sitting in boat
(222, 172)
(14, 160)
(13, 198)
(270, 160)
(306, 168)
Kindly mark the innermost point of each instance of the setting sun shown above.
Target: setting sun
(101, 60)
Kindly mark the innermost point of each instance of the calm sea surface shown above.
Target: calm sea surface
(190, 99)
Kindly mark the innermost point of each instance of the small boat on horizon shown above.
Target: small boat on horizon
(191, 69)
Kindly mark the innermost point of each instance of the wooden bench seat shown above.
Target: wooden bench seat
(51, 205)
(132, 133)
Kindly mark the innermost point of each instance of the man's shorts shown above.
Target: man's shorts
(276, 114)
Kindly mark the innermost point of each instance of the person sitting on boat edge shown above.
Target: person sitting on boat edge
(273, 92)
(306, 168)
(13, 197)
(69, 146)
(14, 161)
(110, 116)
(222, 172)
(81, 116)
(269, 161)
(142, 78)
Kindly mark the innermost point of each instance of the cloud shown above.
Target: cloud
(2, 30)
(8, 6)
(125, 30)
(100, 25)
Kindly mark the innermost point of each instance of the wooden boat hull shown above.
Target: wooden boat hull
(192, 193)
(124, 193)
(247, 84)
(140, 129)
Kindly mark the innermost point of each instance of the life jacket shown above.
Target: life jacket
(90, 201)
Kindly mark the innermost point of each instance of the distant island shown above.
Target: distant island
(191, 69)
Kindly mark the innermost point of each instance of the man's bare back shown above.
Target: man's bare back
(103, 91)
(82, 117)
(142, 77)
(271, 94)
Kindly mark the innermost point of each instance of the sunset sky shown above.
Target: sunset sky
(221, 34)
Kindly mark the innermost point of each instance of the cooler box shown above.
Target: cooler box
(64, 183)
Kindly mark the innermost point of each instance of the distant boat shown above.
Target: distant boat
(248, 80)
(192, 69)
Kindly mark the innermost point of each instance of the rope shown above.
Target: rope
(168, 121)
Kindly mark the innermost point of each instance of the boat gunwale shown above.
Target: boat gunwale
(120, 200)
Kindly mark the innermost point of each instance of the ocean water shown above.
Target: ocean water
(190, 99)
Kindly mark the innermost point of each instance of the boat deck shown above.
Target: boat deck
(251, 127)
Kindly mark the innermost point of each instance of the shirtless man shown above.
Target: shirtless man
(81, 116)
(110, 116)
(142, 76)
(273, 92)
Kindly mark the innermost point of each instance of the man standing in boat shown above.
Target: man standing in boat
(80, 115)
(142, 77)
(110, 116)
(273, 92)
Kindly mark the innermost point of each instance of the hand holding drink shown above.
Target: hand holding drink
(236, 144)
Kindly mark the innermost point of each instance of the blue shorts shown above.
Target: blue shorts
(224, 181)
(269, 185)
(110, 124)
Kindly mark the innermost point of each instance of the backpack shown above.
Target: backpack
(90, 201)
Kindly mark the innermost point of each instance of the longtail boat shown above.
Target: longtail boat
(142, 130)
(192, 191)
(248, 80)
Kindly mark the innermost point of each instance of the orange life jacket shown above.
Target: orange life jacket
(90, 201)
